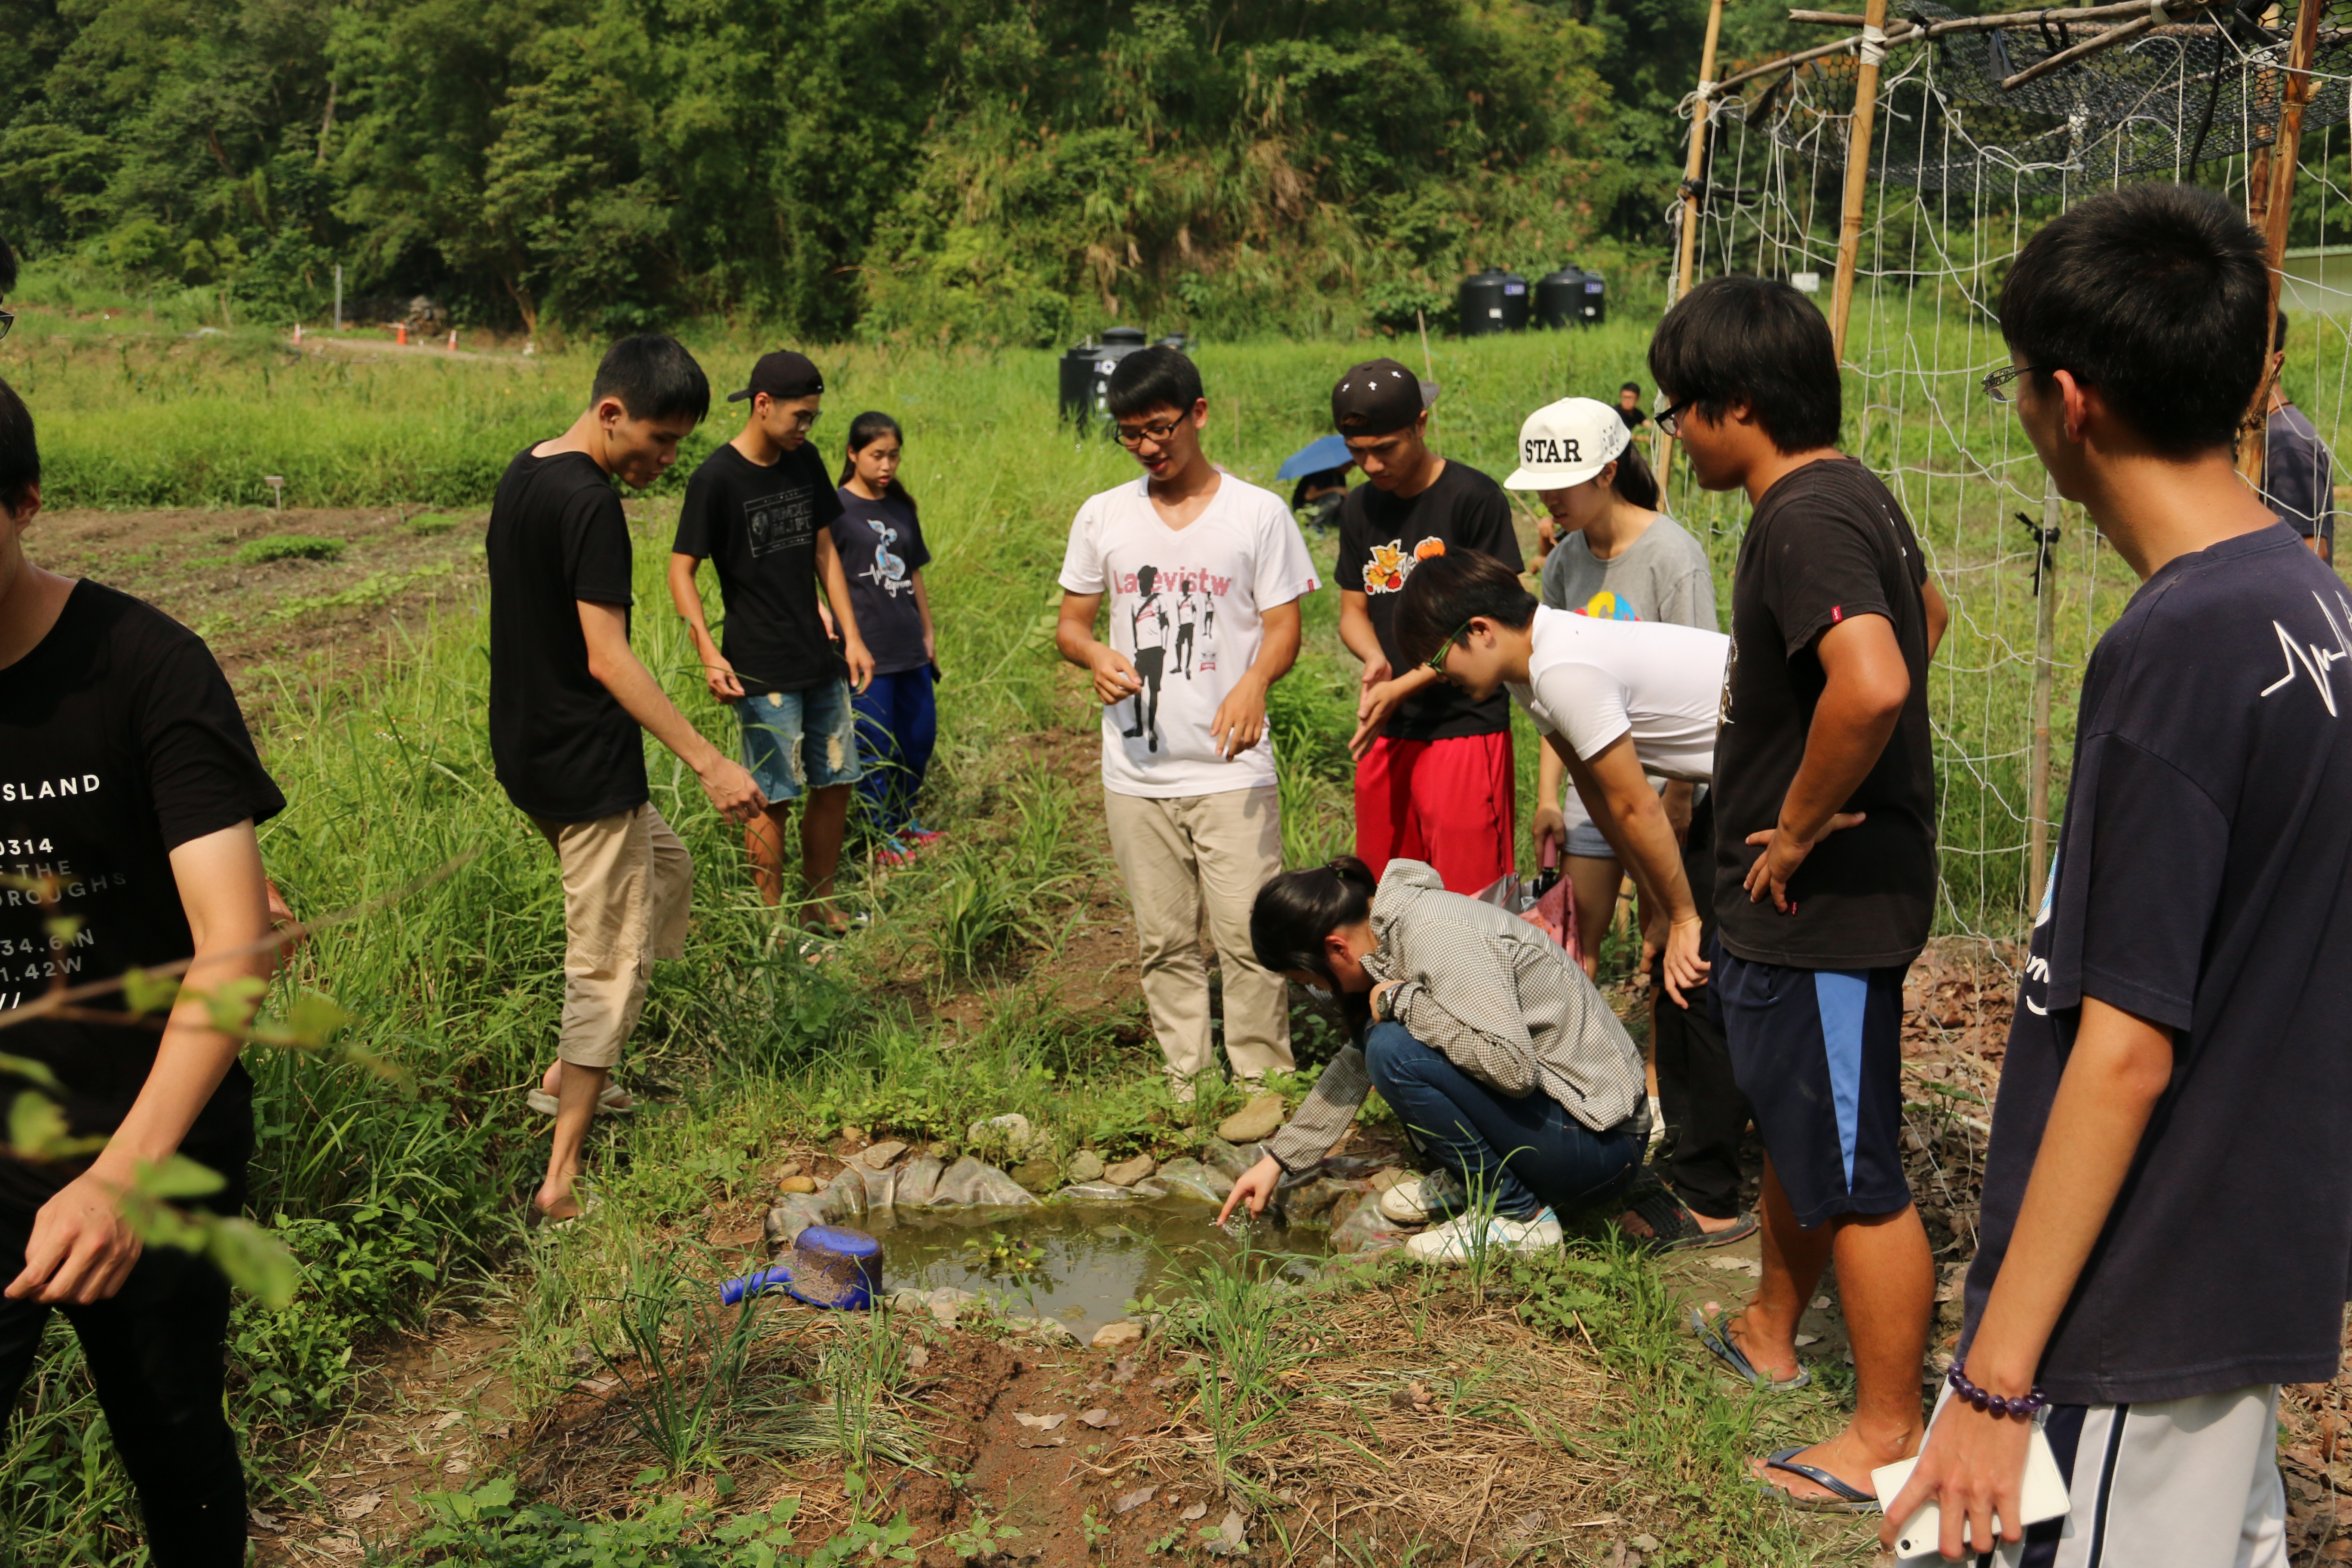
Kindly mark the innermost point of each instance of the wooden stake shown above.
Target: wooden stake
(1695, 166)
(1857, 177)
(2045, 664)
(2285, 148)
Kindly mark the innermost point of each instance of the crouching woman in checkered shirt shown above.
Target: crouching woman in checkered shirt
(1497, 1053)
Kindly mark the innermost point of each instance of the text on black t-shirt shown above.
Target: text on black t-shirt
(122, 742)
(758, 527)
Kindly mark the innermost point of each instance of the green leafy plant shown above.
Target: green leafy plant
(982, 1537)
(287, 547)
(678, 1359)
(1002, 1257)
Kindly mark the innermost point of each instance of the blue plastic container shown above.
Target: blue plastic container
(829, 1266)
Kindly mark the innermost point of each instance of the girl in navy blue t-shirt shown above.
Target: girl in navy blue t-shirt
(881, 544)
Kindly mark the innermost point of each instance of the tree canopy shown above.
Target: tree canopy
(987, 170)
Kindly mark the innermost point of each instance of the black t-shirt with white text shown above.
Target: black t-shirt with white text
(119, 740)
(1828, 542)
(1382, 537)
(2201, 885)
(565, 749)
(881, 546)
(758, 527)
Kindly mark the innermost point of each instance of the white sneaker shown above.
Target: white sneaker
(1417, 1200)
(1657, 1121)
(1452, 1242)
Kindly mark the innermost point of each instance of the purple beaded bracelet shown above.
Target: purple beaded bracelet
(2024, 1406)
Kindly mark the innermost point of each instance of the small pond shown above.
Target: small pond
(1078, 1263)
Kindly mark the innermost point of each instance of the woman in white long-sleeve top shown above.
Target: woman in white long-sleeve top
(1493, 1046)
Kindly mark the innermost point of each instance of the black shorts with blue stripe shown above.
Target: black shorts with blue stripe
(1818, 1054)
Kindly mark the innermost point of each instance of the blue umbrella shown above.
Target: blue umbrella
(1325, 452)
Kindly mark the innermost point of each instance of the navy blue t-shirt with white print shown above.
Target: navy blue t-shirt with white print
(2204, 882)
(881, 548)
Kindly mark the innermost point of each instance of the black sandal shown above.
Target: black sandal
(1674, 1229)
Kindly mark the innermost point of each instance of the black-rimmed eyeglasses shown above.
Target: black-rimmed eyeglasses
(1669, 416)
(1997, 383)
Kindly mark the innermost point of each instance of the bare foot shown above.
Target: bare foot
(1845, 1455)
(1779, 1368)
(556, 1202)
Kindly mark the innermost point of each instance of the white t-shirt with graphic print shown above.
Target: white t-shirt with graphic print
(1241, 557)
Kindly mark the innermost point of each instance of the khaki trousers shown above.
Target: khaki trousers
(1179, 857)
(627, 879)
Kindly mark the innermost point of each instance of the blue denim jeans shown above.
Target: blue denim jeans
(897, 725)
(1530, 1153)
(794, 742)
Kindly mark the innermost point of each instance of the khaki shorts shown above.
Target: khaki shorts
(625, 884)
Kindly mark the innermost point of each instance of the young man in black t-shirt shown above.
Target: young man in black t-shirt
(2167, 1226)
(1825, 852)
(128, 800)
(567, 699)
(1433, 773)
(761, 507)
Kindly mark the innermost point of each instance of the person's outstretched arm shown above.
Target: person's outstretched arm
(606, 628)
(1973, 1464)
(81, 1249)
(1240, 719)
(1632, 818)
(837, 592)
(1866, 686)
(1115, 679)
(1382, 690)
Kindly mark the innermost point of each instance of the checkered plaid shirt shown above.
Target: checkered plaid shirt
(1503, 1001)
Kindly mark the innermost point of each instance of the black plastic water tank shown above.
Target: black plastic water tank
(1596, 300)
(1559, 298)
(1494, 300)
(1086, 372)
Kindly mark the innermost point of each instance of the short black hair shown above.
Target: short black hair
(654, 377)
(1630, 386)
(1444, 591)
(1754, 340)
(2153, 294)
(20, 454)
(1294, 911)
(7, 268)
(1155, 377)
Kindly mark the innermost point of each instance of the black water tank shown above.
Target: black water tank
(1559, 298)
(1086, 372)
(1596, 300)
(1494, 301)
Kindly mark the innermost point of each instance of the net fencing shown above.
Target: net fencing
(1961, 175)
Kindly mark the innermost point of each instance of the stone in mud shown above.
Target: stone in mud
(1037, 1176)
(1192, 1179)
(1043, 1328)
(976, 1182)
(917, 1182)
(1104, 1193)
(1127, 1172)
(879, 1156)
(1012, 1131)
(1259, 1119)
(1310, 1203)
(1227, 1161)
(1123, 1332)
(1085, 1165)
(1368, 1230)
(797, 1184)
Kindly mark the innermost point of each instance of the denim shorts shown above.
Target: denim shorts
(794, 742)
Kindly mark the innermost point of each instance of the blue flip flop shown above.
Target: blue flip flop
(1848, 1500)
(1715, 1337)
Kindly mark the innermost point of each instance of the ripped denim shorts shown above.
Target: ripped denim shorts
(794, 742)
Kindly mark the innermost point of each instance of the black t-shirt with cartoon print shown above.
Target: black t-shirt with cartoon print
(1381, 538)
(881, 546)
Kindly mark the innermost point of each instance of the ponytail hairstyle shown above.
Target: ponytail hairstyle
(1296, 910)
(1635, 485)
(863, 431)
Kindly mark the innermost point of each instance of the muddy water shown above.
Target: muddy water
(1091, 1260)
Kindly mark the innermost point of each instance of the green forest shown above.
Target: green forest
(1014, 172)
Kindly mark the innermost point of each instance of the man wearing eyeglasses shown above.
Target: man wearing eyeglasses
(760, 508)
(1188, 768)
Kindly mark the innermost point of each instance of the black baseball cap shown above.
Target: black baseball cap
(783, 376)
(1375, 397)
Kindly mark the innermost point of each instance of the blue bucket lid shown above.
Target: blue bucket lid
(835, 1267)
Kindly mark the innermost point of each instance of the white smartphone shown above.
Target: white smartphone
(2044, 1497)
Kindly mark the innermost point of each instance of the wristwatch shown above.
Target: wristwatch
(1383, 1013)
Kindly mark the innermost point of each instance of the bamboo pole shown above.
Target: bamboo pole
(2286, 146)
(1694, 169)
(2045, 665)
(1857, 173)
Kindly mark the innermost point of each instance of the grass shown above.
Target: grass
(401, 1199)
